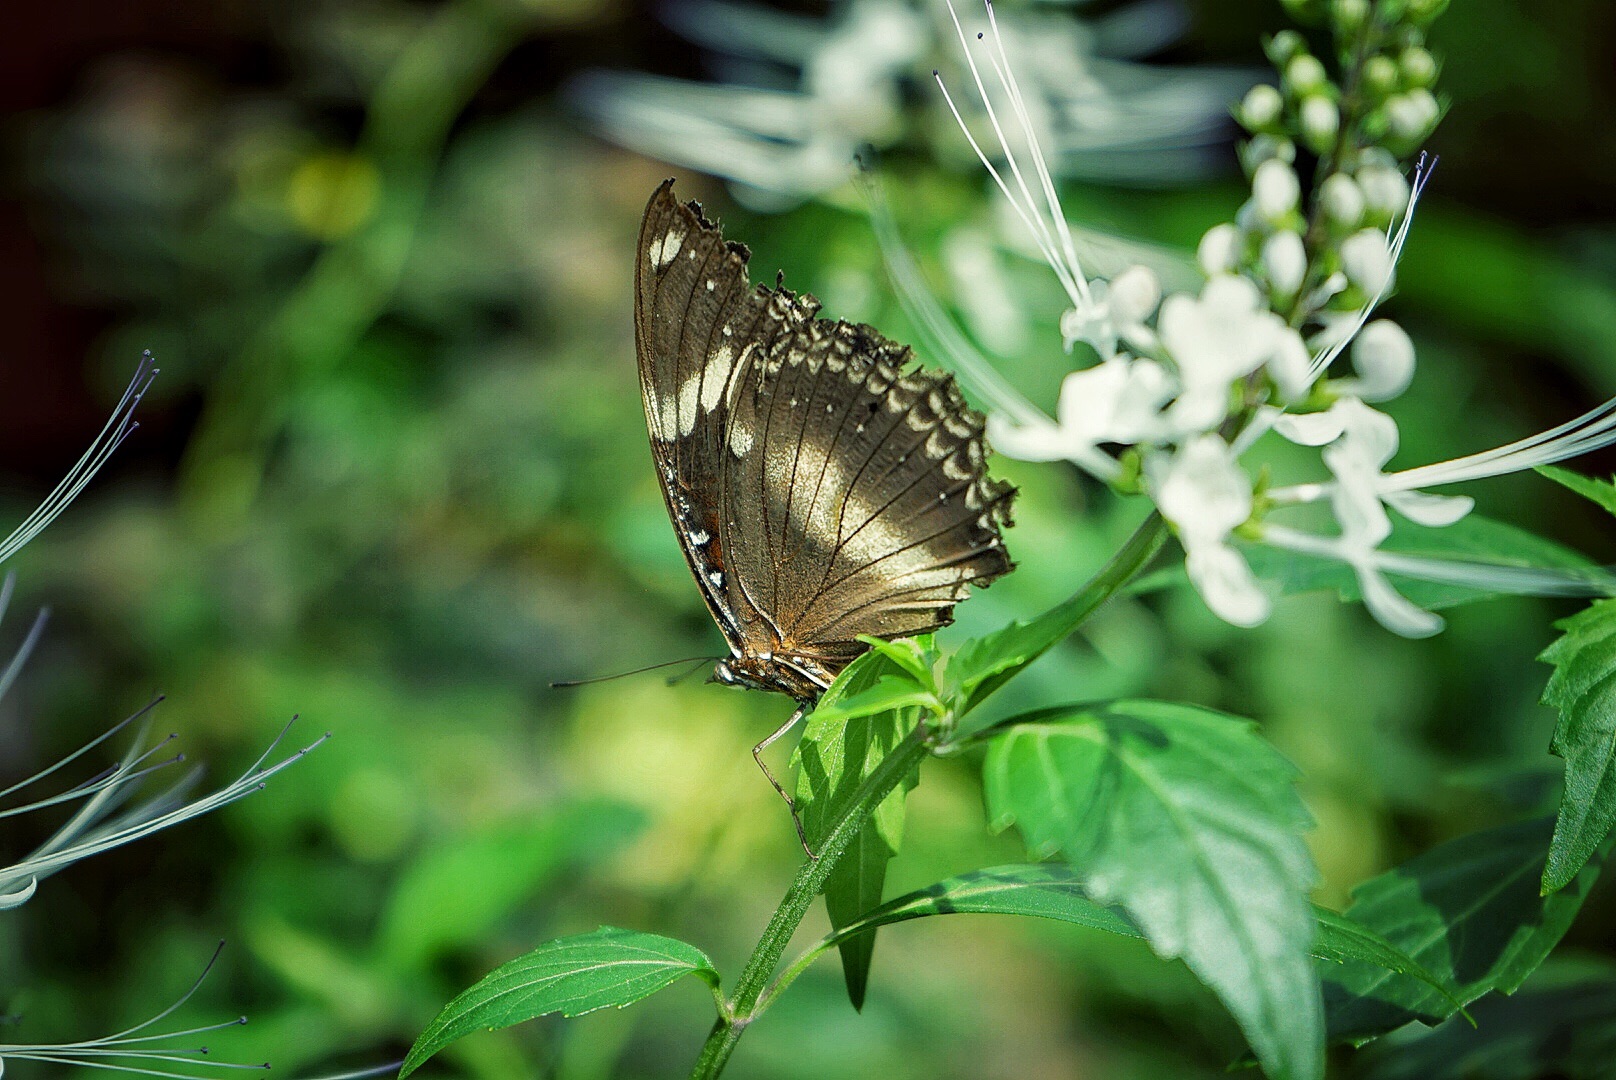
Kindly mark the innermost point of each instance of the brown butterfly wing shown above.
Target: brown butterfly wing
(876, 513)
(821, 486)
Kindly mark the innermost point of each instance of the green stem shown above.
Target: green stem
(750, 999)
(743, 1005)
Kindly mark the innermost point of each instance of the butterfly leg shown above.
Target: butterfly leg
(757, 756)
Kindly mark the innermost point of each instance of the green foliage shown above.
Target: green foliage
(460, 890)
(870, 708)
(570, 976)
(1600, 492)
(1583, 690)
(983, 665)
(1561, 1023)
(1054, 891)
(396, 479)
(1190, 822)
(1470, 912)
(1472, 538)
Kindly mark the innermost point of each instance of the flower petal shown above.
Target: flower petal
(1391, 608)
(1227, 584)
(1433, 511)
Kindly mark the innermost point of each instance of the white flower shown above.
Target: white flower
(1117, 401)
(1383, 357)
(1202, 491)
(1291, 366)
(1367, 260)
(1367, 263)
(1284, 262)
(1116, 312)
(1224, 335)
(1275, 189)
(1389, 607)
(1384, 189)
(1343, 199)
(1358, 442)
(1320, 119)
(1262, 107)
(779, 145)
(1219, 250)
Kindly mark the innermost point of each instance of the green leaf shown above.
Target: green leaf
(1469, 911)
(1055, 891)
(571, 976)
(1189, 821)
(457, 892)
(1583, 690)
(842, 744)
(984, 664)
(1600, 492)
(889, 692)
(916, 655)
(1473, 538)
(1561, 1023)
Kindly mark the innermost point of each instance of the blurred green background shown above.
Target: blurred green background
(393, 478)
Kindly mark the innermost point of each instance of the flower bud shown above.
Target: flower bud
(1304, 75)
(1284, 261)
(1261, 108)
(1219, 250)
(1320, 120)
(1291, 367)
(1285, 45)
(1385, 191)
(1348, 15)
(1343, 200)
(1367, 260)
(1383, 357)
(1275, 190)
(1255, 151)
(1412, 115)
(1380, 75)
(1134, 295)
(1418, 66)
(1423, 12)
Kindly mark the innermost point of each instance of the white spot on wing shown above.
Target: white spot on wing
(663, 420)
(699, 537)
(689, 392)
(669, 248)
(718, 368)
(716, 578)
(740, 439)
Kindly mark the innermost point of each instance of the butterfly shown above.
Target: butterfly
(822, 484)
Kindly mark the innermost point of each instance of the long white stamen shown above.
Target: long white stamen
(1395, 241)
(1008, 77)
(1028, 211)
(119, 426)
(980, 377)
(1493, 577)
(1591, 431)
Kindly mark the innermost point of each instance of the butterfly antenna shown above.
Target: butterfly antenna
(696, 660)
(675, 680)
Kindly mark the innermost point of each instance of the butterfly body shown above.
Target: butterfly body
(821, 484)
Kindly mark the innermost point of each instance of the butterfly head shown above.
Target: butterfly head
(796, 676)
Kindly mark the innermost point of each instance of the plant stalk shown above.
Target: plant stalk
(748, 1000)
(905, 757)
